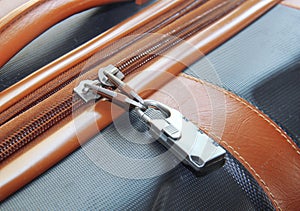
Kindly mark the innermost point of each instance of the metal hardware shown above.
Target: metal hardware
(111, 76)
(184, 139)
(123, 87)
(115, 97)
(197, 150)
(110, 69)
(91, 90)
(85, 92)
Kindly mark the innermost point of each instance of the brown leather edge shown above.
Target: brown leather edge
(291, 3)
(25, 23)
(263, 148)
(24, 87)
(8, 6)
(17, 174)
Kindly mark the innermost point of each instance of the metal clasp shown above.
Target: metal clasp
(197, 150)
(111, 70)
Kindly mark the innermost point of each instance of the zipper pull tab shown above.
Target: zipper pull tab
(109, 70)
(116, 97)
(122, 86)
(91, 90)
(84, 91)
(197, 150)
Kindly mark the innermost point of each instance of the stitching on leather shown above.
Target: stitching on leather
(248, 106)
(24, 13)
(256, 174)
(232, 149)
(242, 159)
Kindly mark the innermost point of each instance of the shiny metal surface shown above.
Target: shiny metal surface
(84, 92)
(184, 139)
(110, 69)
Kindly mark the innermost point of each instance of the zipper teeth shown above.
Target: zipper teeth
(36, 127)
(167, 41)
(55, 114)
(70, 75)
(47, 95)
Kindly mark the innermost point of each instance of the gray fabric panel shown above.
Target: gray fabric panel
(77, 183)
(62, 38)
(261, 64)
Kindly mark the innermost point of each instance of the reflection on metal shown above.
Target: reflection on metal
(197, 150)
(184, 139)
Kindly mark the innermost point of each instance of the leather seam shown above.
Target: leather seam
(248, 106)
(243, 161)
(229, 146)
(256, 174)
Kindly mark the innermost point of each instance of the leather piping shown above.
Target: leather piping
(24, 87)
(25, 23)
(268, 154)
(15, 174)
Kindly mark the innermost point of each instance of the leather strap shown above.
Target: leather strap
(25, 23)
(27, 164)
(251, 137)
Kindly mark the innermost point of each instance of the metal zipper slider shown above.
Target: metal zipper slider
(116, 97)
(91, 90)
(84, 91)
(123, 87)
(197, 150)
(109, 76)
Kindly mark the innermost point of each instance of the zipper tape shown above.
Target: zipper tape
(17, 174)
(34, 17)
(30, 124)
(23, 88)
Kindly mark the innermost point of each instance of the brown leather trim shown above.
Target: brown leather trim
(140, 2)
(250, 136)
(19, 90)
(61, 140)
(291, 3)
(46, 151)
(8, 6)
(25, 23)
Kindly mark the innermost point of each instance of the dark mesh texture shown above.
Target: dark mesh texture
(252, 64)
(80, 184)
(262, 65)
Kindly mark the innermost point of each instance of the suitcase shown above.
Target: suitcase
(122, 166)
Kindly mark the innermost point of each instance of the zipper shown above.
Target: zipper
(65, 102)
(70, 75)
(200, 153)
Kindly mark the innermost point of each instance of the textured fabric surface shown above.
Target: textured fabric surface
(253, 64)
(62, 38)
(77, 183)
(262, 65)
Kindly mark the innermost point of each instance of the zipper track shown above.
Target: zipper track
(53, 115)
(70, 75)
(162, 45)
